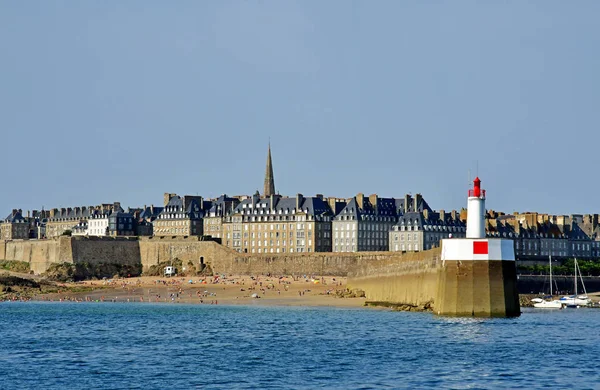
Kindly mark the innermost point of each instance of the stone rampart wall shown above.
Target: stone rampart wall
(38, 253)
(154, 250)
(102, 250)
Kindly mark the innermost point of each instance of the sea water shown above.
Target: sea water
(176, 346)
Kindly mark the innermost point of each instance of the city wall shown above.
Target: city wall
(40, 254)
(149, 251)
(154, 250)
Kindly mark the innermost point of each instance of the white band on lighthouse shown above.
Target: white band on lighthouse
(465, 249)
(476, 246)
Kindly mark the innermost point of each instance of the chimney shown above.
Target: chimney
(407, 201)
(272, 202)
(14, 212)
(443, 216)
(373, 200)
(426, 214)
(167, 197)
(151, 209)
(463, 214)
(360, 200)
(52, 213)
(332, 205)
(417, 201)
(453, 215)
(28, 214)
(299, 200)
(320, 196)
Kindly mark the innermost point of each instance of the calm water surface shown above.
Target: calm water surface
(154, 346)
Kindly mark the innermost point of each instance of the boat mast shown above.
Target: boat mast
(581, 278)
(575, 278)
(550, 261)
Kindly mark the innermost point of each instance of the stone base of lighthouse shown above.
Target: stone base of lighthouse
(478, 279)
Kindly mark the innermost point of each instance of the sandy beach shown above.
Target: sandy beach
(229, 290)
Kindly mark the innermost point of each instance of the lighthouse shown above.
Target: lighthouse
(479, 277)
(476, 211)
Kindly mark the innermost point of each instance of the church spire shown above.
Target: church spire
(269, 179)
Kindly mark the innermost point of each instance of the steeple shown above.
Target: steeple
(269, 179)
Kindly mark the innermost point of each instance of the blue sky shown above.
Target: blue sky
(122, 101)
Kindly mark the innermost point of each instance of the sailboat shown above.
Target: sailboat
(575, 300)
(540, 303)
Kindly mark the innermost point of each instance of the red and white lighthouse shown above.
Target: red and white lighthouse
(476, 211)
(480, 274)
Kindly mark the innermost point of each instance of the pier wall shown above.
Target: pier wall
(404, 279)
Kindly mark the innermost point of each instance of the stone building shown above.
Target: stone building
(61, 220)
(364, 224)
(145, 218)
(102, 223)
(423, 230)
(213, 220)
(181, 216)
(14, 226)
(37, 223)
(121, 223)
(81, 229)
(95, 225)
(539, 236)
(278, 224)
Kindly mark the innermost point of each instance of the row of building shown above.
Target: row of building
(271, 223)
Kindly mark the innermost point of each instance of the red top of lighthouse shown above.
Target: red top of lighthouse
(477, 191)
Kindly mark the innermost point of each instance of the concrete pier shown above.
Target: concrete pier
(485, 288)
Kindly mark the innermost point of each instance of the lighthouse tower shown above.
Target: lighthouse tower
(476, 211)
(480, 276)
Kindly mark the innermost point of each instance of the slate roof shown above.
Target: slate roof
(147, 213)
(221, 205)
(176, 206)
(15, 217)
(80, 213)
(314, 206)
(384, 207)
(80, 227)
(433, 219)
